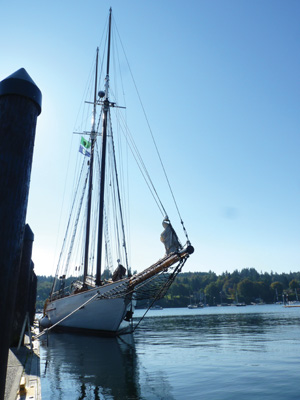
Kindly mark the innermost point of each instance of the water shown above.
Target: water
(214, 353)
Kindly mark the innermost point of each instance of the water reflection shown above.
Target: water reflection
(85, 367)
(220, 353)
(218, 327)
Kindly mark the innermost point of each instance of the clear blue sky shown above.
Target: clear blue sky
(220, 84)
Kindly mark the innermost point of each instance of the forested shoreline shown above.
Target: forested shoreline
(247, 286)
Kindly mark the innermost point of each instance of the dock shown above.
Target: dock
(23, 372)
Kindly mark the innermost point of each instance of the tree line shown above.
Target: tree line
(246, 286)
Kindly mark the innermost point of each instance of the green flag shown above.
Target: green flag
(85, 143)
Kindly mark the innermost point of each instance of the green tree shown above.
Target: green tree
(245, 290)
(179, 289)
(277, 286)
(249, 273)
(263, 292)
(212, 292)
(229, 288)
(196, 283)
(294, 284)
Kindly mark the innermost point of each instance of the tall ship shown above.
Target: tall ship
(95, 288)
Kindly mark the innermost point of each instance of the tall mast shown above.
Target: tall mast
(103, 159)
(90, 188)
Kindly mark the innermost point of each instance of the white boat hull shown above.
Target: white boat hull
(99, 315)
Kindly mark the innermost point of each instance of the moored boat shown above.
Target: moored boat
(95, 300)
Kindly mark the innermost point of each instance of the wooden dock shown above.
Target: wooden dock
(23, 372)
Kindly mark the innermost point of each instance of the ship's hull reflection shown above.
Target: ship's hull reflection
(93, 366)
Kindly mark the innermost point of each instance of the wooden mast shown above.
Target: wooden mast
(90, 188)
(103, 159)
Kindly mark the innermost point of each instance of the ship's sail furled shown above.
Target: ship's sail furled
(169, 237)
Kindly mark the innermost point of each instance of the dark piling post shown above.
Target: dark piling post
(32, 295)
(23, 287)
(20, 105)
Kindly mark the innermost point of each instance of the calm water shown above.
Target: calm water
(250, 352)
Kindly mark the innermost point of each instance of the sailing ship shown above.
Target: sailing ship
(95, 301)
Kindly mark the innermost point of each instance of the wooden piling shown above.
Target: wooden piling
(23, 287)
(20, 105)
(32, 295)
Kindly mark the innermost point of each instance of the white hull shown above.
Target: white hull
(101, 315)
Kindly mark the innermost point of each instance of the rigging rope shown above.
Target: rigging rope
(68, 226)
(142, 167)
(163, 289)
(67, 316)
(153, 139)
(118, 194)
(75, 226)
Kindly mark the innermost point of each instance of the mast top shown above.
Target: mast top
(108, 46)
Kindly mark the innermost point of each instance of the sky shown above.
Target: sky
(220, 84)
